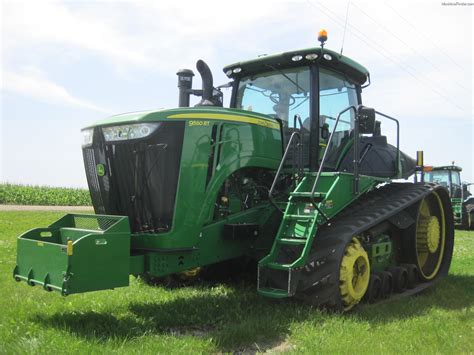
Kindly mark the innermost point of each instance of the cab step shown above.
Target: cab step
(278, 266)
(273, 292)
(307, 196)
(292, 241)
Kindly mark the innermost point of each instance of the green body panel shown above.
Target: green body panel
(380, 253)
(97, 258)
(239, 145)
(457, 210)
(213, 245)
(168, 114)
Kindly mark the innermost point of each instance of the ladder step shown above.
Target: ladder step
(298, 217)
(273, 292)
(278, 266)
(291, 241)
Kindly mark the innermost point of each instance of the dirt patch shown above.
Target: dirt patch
(272, 347)
(192, 331)
(280, 348)
(46, 208)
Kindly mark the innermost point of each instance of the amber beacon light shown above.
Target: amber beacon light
(322, 36)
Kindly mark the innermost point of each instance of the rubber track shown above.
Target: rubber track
(319, 279)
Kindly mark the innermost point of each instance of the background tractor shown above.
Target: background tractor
(295, 174)
(461, 199)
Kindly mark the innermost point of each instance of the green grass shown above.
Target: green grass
(43, 195)
(228, 317)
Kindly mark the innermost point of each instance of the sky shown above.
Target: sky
(66, 64)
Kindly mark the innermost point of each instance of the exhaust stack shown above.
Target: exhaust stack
(207, 83)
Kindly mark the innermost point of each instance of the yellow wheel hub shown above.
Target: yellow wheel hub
(428, 234)
(354, 274)
(190, 274)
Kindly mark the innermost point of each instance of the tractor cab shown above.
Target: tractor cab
(317, 93)
(449, 176)
(304, 91)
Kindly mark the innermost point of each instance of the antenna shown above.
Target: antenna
(345, 26)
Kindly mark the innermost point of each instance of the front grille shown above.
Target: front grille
(140, 179)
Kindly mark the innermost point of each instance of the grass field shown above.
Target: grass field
(227, 317)
(11, 194)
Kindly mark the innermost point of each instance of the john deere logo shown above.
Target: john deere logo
(100, 168)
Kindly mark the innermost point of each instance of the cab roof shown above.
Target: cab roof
(264, 63)
(447, 167)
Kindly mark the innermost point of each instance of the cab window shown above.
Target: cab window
(278, 93)
(336, 93)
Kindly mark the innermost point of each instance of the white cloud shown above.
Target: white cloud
(151, 35)
(31, 82)
(37, 22)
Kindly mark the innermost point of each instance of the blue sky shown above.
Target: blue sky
(67, 64)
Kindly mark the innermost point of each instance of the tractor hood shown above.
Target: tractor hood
(133, 161)
(191, 113)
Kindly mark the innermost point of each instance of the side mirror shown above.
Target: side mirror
(366, 119)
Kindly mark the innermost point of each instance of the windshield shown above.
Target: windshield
(281, 94)
(440, 177)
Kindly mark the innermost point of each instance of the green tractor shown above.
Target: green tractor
(461, 199)
(295, 175)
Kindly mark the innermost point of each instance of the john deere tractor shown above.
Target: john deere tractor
(295, 174)
(461, 199)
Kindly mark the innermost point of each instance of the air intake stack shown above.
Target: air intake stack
(185, 84)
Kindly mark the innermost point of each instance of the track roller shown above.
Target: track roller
(399, 277)
(387, 284)
(374, 291)
(412, 275)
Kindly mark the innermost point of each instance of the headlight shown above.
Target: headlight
(87, 135)
(129, 131)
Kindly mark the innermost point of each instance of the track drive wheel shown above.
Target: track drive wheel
(354, 274)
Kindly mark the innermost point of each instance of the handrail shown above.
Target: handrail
(398, 138)
(313, 190)
(280, 167)
(298, 159)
